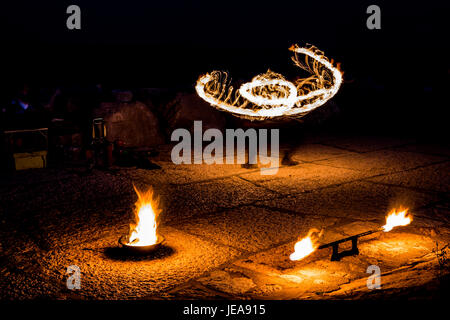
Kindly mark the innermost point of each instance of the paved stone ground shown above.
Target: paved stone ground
(229, 231)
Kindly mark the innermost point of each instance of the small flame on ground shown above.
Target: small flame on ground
(144, 232)
(395, 219)
(307, 245)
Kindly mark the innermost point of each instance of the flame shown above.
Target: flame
(306, 246)
(395, 219)
(270, 95)
(145, 231)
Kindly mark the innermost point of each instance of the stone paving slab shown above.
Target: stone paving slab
(433, 178)
(356, 200)
(172, 174)
(251, 228)
(382, 161)
(304, 177)
(438, 149)
(194, 290)
(185, 201)
(47, 192)
(419, 282)
(358, 143)
(314, 152)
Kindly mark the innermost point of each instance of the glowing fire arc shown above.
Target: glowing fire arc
(270, 95)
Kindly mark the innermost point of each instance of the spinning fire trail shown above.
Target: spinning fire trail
(270, 95)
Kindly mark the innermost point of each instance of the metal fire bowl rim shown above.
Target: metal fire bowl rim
(141, 249)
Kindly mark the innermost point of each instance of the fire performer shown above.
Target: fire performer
(270, 97)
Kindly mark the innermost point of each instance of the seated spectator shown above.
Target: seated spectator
(22, 112)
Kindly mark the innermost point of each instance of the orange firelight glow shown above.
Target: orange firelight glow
(395, 219)
(307, 245)
(270, 95)
(145, 231)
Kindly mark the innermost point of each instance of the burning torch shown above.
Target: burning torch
(309, 244)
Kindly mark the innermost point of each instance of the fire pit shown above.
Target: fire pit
(143, 237)
(140, 250)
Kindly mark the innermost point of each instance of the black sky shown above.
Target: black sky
(242, 36)
(170, 43)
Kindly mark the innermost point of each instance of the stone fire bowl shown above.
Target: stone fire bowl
(140, 250)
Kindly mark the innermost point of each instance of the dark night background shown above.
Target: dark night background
(380, 144)
(395, 77)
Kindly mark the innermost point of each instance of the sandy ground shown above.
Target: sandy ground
(229, 231)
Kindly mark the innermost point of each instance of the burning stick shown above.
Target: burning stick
(336, 256)
(394, 219)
